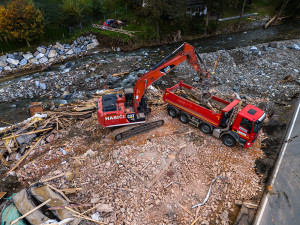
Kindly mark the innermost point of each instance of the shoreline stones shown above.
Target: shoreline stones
(45, 56)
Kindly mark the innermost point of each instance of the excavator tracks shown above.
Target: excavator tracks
(139, 130)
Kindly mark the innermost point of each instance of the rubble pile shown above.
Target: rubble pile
(20, 140)
(152, 178)
(45, 56)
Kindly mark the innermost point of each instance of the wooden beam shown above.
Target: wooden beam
(24, 156)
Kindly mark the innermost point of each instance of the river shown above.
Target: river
(17, 111)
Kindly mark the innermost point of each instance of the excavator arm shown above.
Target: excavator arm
(188, 54)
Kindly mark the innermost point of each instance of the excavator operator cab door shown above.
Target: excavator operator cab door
(128, 97)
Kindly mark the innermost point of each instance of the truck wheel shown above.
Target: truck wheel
(183, 118)
(205, 128)
(229, 141)
(172, 112)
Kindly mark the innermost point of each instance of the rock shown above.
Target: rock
(28, 56)
(77, 50)
(295, 46)
(66, 46)
(41, 49)
(25, 138)
(96, 216)
(196, 79)
(105, 208)
(3, 63)
(43, 86)
(95, 200)
(43, 60)
(89, 152)
(18, 57)
(3, 58)
(12, 61)
(118, 49)
(39, 56)
(7, 68)
(23, 62)
(59, 46)
(70, 52)
(68, 65)
(253, 48)
(33, 61)
(52, 53)
(11, 56)
(272, 45)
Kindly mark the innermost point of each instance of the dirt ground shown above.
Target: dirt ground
(152, 178)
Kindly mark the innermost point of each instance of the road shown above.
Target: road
(282, 204)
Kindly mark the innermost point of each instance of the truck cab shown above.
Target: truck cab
(247, 125)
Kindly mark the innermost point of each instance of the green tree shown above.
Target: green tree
(71, 10)
(20, 20)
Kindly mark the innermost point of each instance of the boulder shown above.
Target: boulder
(3, 63)
(77, 50)
(52, 53)
(70, 52)
(66, 45)
(23, 62)
(13, 61)
(28, 56)
(7, 68)
(11, 56)
(33, 61)
(43, 60)
(3, 58)
(42, 49)
(295, 46)
(18, 57)
(39, 56)
(59, 46)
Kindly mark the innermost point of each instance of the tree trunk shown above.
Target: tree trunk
(157, 29)
(28, 44)
(206, 22)
(282, 8)
(241, 15)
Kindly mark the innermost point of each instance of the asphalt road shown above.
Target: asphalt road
(281, 205)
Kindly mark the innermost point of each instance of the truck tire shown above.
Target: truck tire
(205, 128)
(229, 141)
(172, 112)
(183, 118)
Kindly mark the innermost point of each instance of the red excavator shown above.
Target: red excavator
(130, 107)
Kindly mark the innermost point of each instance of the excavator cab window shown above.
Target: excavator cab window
(128, 97)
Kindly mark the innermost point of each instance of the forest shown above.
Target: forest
(32, 22)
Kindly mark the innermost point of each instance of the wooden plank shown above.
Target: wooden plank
(52, 178)
(31, 211)
(60, 192)
(77, 214)
(71, 206)
(32, 132)
(24, 156)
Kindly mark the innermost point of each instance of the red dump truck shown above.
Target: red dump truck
(226, 123)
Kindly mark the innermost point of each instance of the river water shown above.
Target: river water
(17, 111)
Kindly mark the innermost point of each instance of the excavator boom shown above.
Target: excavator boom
(188, 54)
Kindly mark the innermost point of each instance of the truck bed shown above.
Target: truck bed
(211, 112)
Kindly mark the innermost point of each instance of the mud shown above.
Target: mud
(275, 129)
